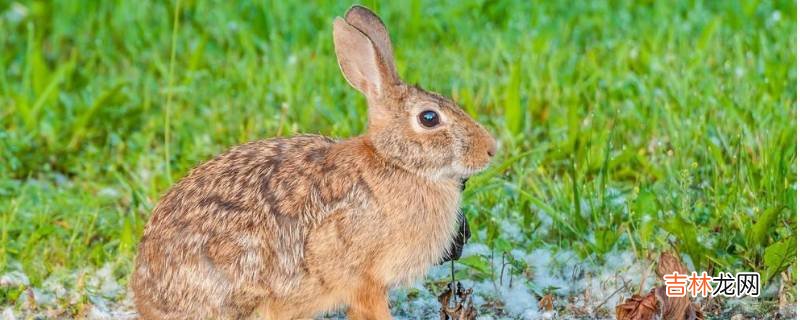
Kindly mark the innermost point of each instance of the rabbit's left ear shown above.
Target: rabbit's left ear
(371, 25)
(366, 64)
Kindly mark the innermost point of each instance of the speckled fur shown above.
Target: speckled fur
(289, 227)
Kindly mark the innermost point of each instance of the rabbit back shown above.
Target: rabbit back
(232, 233)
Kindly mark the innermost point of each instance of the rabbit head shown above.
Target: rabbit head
(410, 127)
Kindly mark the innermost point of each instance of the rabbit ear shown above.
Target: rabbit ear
(371, 25)
(361, 63)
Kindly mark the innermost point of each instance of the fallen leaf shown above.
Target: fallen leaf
(669, 263)
(674, 308)
(638, 308)
(463, 308)
(546, 303)
(444, 303)
(679, 308)
(656, 302)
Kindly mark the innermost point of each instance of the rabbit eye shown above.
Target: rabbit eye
(429, 118)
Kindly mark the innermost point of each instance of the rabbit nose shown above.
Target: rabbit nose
(492, 149)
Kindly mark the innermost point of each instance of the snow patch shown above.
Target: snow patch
(14, 279)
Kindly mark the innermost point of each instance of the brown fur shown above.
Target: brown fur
(289, 227)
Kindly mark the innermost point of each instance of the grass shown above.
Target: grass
(624, 125)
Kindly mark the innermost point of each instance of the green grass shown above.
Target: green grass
(632, 125)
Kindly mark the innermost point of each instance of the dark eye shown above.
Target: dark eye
(429, 118)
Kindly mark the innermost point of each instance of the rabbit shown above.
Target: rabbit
(287, 228)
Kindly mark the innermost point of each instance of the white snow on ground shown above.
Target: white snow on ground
(595, 287)
(580, 287)
(519, 301)
(97, 291)
(472, 249)
(14, 279)
(8, 314)
(559, 272)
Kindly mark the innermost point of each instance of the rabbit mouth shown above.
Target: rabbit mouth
(466, 171)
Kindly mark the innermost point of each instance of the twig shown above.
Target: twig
(453, 278)
(624, 285)
(502, 268)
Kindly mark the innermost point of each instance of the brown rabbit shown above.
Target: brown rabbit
(290, 227)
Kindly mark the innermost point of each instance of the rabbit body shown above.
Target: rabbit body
(289, 227)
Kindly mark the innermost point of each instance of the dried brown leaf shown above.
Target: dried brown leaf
(677, 308)
(463, 308)
(669, 263)
(638, 308)
(674, 308)
(546, 303)
(444, 301)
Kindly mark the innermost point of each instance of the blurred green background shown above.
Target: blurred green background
(624, 125)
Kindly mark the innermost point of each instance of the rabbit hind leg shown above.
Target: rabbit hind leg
(370, 301)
